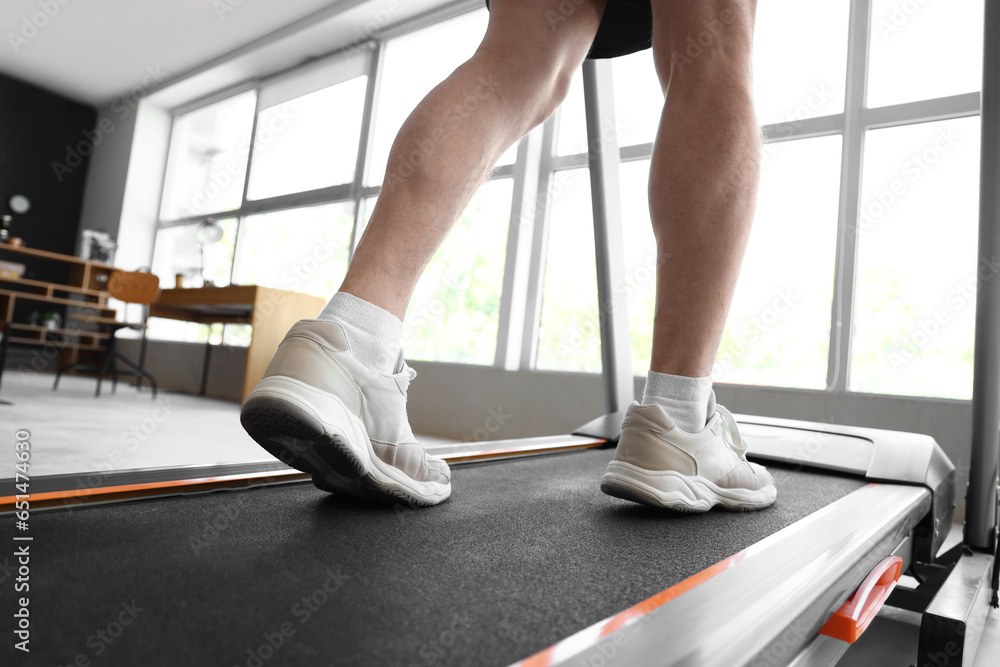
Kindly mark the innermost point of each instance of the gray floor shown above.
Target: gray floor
(73, 432)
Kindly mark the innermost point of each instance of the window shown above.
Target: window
(207, 161)
(414, 65)
(571, 122)
(309, 142)
(638, 98)
(640, 260)
(778, 330)
(569, 334)
(924, 50)
(917, 232)
(455, 309)
(800, 68)
(179, 252)
(301, 250)
(904, 312)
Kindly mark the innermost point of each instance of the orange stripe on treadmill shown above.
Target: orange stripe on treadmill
(540, 659)
(619, 620)
(459, 457)
(147, 489)
(587, 637)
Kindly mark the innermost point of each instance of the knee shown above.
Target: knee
(555, 92)
(532, 88)
(704, 46)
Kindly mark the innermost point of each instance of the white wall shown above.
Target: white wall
(141, 202)
(122, 194)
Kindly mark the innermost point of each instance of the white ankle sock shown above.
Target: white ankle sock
(688, 401)
(373, 332)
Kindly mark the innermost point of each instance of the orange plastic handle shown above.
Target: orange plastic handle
(853, 618)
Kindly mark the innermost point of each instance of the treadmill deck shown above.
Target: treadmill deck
(525, 553)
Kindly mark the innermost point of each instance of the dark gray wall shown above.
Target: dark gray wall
(45, 141)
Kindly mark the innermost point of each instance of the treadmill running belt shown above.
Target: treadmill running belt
(525, 553)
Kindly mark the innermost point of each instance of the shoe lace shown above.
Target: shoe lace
(410, 373)
(731, 432)
(403, 366)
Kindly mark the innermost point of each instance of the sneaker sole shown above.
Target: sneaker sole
(672, 490)
(282, 415)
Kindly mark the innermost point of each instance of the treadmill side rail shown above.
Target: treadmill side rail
(767, 604)
(877, 454)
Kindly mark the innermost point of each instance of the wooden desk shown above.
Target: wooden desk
(270, 312)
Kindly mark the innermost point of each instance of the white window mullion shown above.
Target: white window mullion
(842, 319)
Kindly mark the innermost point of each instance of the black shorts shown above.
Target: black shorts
(626, 27)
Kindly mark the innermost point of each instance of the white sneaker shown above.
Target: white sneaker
(657, 463)
(318, 409)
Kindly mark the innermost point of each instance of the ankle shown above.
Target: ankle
(373, 333)
(688, 400)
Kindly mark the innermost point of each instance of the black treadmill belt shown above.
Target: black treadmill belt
(525, 553)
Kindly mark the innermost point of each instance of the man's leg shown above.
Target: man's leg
(445, 150)
(333, 400)
(449, 144)
(702, 194)
(703, 176)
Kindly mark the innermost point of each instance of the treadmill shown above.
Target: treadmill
(529, 563)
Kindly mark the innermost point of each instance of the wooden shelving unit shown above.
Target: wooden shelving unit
(83, 294)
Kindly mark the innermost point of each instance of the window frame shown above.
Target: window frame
(852, 124)
(537, 165)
